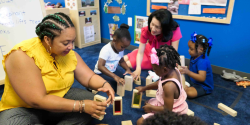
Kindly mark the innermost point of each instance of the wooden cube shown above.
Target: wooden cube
(136, 99)
(151, 93)
(182, 60)
(227, 109)
(117, 106)
(216, 124)
(138, 81)
(128, 82)
(128, 122)
(99, 98)
(120, 89)
(190, 113)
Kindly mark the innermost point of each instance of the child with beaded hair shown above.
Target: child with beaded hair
(199, 74)
(170, 93)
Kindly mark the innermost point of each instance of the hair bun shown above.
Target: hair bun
(124, 26)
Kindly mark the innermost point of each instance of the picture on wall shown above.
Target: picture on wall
(112, 29)
(88, 20)
(140, 22)
(92, 12)
(214, 2)
(82, 13)
(87, 3)
(173, 7)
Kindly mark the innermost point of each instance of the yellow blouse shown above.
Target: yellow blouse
(57, 79)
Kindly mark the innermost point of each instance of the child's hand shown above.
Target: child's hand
(119, 80)
(184, 70)
(147, 108)
(140, 89)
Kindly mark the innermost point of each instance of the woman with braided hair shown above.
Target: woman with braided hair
(170, 93)
(199, 74)
(39, 75)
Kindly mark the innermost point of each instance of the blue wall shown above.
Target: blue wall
(231, 47)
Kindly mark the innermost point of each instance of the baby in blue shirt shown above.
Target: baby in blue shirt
(199, 73)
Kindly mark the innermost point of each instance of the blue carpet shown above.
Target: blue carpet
(205, 107)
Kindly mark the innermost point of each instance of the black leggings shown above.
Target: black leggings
(30, 116)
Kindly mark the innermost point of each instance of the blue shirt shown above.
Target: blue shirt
(204, 65)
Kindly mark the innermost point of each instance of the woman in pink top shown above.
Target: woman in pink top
(161, 30)
(170, 94)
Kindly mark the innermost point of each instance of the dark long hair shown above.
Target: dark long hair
(168, 25)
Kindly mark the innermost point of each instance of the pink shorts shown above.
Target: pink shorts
(146, 61)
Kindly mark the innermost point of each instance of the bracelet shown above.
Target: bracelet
(74, 106)
(83, 106)
(104, 83)
(80, 107)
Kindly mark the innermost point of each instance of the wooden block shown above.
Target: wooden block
(117, 106)
(99, 98)
(138, 82)
(155, 7)
(116, 10)
(151, 93)
(214, 10)
(128, 82)
(216, 124)
(182, 60)
(94, 91)
(128, 122)
(227, 109)
(190, 113)
(120, 89)
(136, 99)
(148, 81)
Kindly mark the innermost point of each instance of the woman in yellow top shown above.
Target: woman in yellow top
(39, 75)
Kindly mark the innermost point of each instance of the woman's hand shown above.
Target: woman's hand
(119, 80)
(110, 92)
(137, 73)
(140, 89)
(147, 108)
(95, 108)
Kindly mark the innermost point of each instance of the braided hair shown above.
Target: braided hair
(203, 42)
(168, 56)
(52, 25)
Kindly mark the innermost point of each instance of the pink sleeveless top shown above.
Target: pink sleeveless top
(180, 105)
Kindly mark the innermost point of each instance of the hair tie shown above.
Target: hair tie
(193, 37)
(154, 57)
(210, 42)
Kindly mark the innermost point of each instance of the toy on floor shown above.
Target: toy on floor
(227, 109)
(120, 89)
(117, 106)
(243, 83)
(128, 122)
(150, 93)
(138, 81)
(233, 76)
(128, 82)
(154, 76)
(136, 99)
(190, 113)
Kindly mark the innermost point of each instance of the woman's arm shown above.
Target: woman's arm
(139, 58)
(175, 44)
(26, 79)
(88, 78)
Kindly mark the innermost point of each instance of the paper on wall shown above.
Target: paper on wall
(89, 33)
(71, 4)
(140, 22)
(161, 1)
(194, 7)
(112, 29)
(214, 2)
